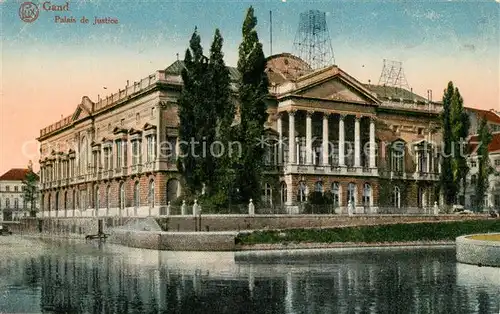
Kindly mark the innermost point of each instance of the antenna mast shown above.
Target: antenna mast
(393, 75)
(271, 32)
(312, 42)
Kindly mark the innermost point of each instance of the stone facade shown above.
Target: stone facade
(333, 133)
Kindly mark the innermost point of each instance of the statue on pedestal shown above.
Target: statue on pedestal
(251, 208)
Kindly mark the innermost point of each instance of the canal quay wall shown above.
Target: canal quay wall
(175, 241)
(217, 232)
(478, 252)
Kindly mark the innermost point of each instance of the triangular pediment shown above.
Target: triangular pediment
(331, 83)
(83, 109)
(337, 88)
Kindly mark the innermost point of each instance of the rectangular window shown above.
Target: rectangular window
(136, 152)
(95, 161)
(497, 201)
(15, 188)
(497, 162)
(151, 148)
(7, 188)
(119, 154)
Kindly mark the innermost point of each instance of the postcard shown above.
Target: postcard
(277, 156)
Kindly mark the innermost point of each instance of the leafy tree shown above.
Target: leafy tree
(455, 124)
(485, 168)
(30, 190)
(252, 91)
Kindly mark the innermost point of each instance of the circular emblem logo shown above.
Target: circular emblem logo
(28, 12)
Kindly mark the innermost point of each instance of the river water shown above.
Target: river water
(41, 276)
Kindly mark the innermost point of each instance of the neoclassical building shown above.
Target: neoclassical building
(372, 146)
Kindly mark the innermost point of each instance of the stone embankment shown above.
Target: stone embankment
(219, 231)
(478, 252)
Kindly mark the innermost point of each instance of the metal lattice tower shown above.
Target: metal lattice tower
(312, 42)
(393, 75)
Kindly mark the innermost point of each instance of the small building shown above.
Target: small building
(12, 205)
(476, 115)
(492, 196)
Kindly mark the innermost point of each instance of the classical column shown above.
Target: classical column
(372, 143)
(357, 140)
(309, 137)
(417, 155)
(428, 159)
(341, 141)
(325, 139)
(291, 137)
(279, 126)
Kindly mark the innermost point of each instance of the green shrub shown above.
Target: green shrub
(437, 231)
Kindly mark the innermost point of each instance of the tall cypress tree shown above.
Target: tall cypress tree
(190, 106)
(485, 168)
(459, 121)
(447, 184)
(252, 91)
(223, 110)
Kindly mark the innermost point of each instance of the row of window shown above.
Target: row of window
(16, 188)
(113, 157)
(496, 162)
(80, 199)
(15, 203)
(302, 194)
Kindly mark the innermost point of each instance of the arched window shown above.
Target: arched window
(97, 198)
(284, 191)
(397, 156)
(65, 200)
(16, 203)
(83, 155)
(336, 194)
(318, 187)
(136, 195)
(108, 191)
(473, 180)
(151, 193)
(121, 196)
(396, 197)
(367, 195)
(302, 192)
(421, 197)
(267, 194)
(57, 200)
(172, 190)
(351, 193)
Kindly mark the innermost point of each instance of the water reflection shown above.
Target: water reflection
(78, 278)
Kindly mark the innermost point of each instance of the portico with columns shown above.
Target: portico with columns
(331, 145)
(326, 136)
